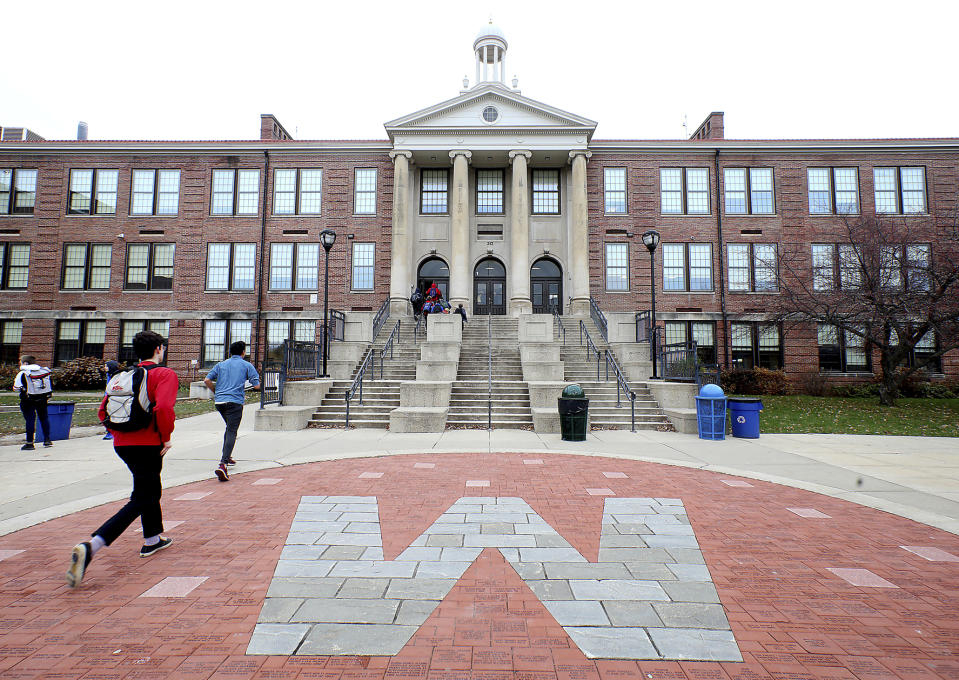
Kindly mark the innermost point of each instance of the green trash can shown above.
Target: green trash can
(573, 414)
(60, 417)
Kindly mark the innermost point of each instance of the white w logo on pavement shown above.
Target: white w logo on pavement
(649, 595)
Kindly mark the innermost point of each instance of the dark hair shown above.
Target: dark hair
(237, 348)
(145, 344)
(28, 359)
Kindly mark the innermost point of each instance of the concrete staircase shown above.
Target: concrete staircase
(581, 369)
(469, 396)
(380, 395)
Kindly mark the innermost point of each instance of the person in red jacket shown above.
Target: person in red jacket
(142, 451)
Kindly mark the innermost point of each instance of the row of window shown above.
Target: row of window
(749, 191)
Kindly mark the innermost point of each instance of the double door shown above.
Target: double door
(489, 296)
(547, 295)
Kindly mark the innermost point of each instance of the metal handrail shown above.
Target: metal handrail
(599, 319)
(622, 384)
(273, 379)
(367, 365)
(489, 396)
(416, 328)
(560, 328)
(643, 328)
(679, 362)
(337, 325)
(589, 346)
(394, 335)
(381, 316)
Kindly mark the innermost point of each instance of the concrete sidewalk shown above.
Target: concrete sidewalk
(913, 477)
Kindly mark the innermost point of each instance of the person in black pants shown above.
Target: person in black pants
(461, 311)
(33, 407)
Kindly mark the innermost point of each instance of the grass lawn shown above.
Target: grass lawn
(835, 415)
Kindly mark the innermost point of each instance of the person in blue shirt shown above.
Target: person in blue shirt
(230, 378)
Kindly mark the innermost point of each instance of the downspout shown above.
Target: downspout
(259, 292)
(722, 269)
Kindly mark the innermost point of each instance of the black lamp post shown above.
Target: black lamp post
(327, 238)
(651, 240)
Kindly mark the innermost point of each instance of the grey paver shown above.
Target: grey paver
(632, 554)
(691, 615)
(612, 643)
(631, 613)
(360, 517)
(695, 645)
(343, 552)
(362, 528)
(550, 555)
(417, 554)
(349, 499)
(337, 538)
(302, 552)
(303, 537)
(690, 572)
(415, 612)
(622, 541)
(510, 554)
(304, 587)
(551, 589)
(307, 568)
(371, 569)
(497, 528)
(684, 591)
(372, 553)
(533, 528)
(427, 569)
(569, 570)
(490, 541)
(632, 528)
(685, 555)
(420, 588)
(451, 518)
(442, 541)
(316, 527)
(345, 610)
(672, 529)
(363, 587)
(490, 517)
(650, 571)
(617, 589)
(279, 609)
(460, 554)
(551, 541)
(529, 570)
(577, 613)
(656, 541)
(452, 528)
(372, 640)
(276, 638)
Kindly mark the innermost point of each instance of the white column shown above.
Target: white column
(578, 234)
(401, 252)
(519, 300)
(502, 62)
(476, 82)
(460, 229)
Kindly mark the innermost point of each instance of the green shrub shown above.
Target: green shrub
(85, 373)
(7, 373)
(859, 390)
(754, 381)
(813, 383)
(931, 390)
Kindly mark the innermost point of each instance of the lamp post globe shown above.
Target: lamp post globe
(327, 238)
(651, 241)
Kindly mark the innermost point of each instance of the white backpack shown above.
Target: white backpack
(37, 382)
(128, 407)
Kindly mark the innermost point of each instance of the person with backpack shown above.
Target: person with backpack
(230, 377)
(111, 368)
(35, 387)
(138, 409)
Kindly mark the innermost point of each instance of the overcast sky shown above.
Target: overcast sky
(339, 70)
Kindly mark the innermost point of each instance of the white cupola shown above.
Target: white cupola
(490, 49)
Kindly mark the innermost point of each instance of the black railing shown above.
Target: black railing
(272, 381)
(707, 374)
(368, 365)
(643, 328)
(390, 341)
(590, 346)
(417, 329)
(622, 385)
(489, 360)
(679, 362)
(381, 316)
(599, 319)
(558, 328)
(656, 343)
(292, 360)
(337, 325)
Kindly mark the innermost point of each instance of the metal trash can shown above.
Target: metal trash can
(744, 416)
(60, 417)
(711, 412)
(573, 414)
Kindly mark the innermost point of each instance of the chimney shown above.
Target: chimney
(82, 131)
(272, 130)
(711, 128)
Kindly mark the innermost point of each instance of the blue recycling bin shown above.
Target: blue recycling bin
(711, 412)
(60, 416)
(744, 416)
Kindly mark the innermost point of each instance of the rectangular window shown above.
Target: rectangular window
(749, 192)
(219, 335)
(687, 266)
(86, 266)
(617, 266)
(79, 339)
(841, 350)
(920, 353)
(918, 259)
(155, 192)
(489, 192)
(836, 267)
(14, 266)
(128, 329)
(92, 192)
(11, 332)
(230, 266)
(703, 333)
(294, 266)
(149, 266)
(277, 332)
(235, 192)
(364, 191)
(684, 191)
(752, 267)
(823, 266)
(755, 344)
(18, 191)
(362, 266)
(434, 192)
(545, 196)
(850, 266)
(900, 190)
(614, 185)
(833, 191)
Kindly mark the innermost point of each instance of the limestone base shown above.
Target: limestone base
(546, 421)
(282, 418)
(198, 390)
(683, 419)
(418, 419)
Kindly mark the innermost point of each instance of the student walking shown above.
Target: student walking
(231, 376)
(35, 387)
(138, 410)
(461, 311)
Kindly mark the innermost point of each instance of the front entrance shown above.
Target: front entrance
(434, 270)
(489, 287)
(546, 287)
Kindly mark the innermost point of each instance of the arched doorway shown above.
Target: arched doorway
(546, 286)
(489, 287)
(434, 270)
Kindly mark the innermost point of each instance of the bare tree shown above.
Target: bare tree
(886, 283)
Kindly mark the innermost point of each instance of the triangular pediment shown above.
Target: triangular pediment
(515, 112)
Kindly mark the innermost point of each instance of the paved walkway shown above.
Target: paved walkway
(492, 555)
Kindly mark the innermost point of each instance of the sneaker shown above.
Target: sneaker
(27, 447)
(108, 436)
(221, 472)
(48, 443)
(147, 550)
(79, 560)
(231, 462)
